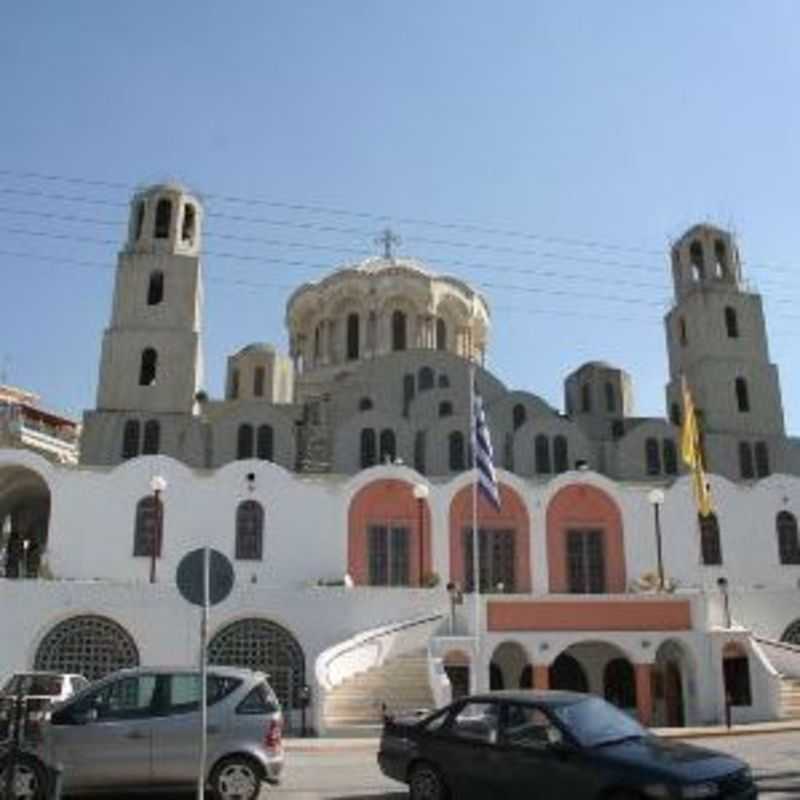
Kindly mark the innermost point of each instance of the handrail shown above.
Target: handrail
(792, 648)
(363, 640)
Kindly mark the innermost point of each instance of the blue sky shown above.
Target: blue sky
(587, 124)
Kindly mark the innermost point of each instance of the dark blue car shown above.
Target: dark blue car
(550, 746)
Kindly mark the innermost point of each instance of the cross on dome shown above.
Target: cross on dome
(387, 238)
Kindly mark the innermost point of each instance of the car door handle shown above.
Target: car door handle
(135, 735)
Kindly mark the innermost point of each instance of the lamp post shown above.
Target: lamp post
(158, 484)
(656, 498)
(722, 583)
(421, 493)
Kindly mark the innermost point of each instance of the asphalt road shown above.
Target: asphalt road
(337, 770)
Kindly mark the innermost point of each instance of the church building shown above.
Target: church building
(337, 478)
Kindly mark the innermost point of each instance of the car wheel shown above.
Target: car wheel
(30, 779)
(426, 783)
(237, 778)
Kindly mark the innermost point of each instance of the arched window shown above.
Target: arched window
(145, 533)
(353, 336)
(518, 416)
(762, 460)
(148, 368)
(670, 454)
(139, 220)
(408, 393)
(388, 446)
(731, 323)
(317, 344)
(444, 381)
(652, 457)
(398, 331)
(682, 335)
(742, 397)
(611, 405)
(586, 398)
(441, 334)
(675, 414)
(264, 442)
(720, 259)
(365, 404)
(541, 446)
(130, 439)
(235, 385)
(155, 289)
(163, 219)
(152, 437)
(788, 543)
(249, 531)
(445, 408)
(710, 544)
(425, 379)
(457, 454)
(746, 469)
(420, 451)
(560, 454)
(258, 381)
(187, 229)
(697, 261)
(368, 448)
(244, 442)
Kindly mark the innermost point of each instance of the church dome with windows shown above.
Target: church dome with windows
(383, 305)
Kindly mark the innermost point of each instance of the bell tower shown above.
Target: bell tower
(151, 356)
(716, 337)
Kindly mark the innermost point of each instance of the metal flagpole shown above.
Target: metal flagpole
(476, 575)
(201, 781)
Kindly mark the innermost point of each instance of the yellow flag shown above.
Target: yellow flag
(692, 453)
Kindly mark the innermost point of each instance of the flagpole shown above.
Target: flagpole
(476, 577)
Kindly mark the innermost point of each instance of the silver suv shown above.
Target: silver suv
(140, 728)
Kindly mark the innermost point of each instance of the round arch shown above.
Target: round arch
(792, 633)
(511, 659)
(673, 675)
(457, 668)
(512, 517)
(385, 504)
(584, 509)
(90, 645)
(24, 518)
(262, 645)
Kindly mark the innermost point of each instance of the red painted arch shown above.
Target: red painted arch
(382, 502)
(582, 506)
(512, 514)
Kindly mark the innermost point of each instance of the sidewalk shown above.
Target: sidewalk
(332, 744)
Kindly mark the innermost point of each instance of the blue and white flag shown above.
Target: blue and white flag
(482, 448)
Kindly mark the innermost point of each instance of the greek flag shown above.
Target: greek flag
(482, 448)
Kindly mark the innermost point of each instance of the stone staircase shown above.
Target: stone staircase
(355, 706)
(790, 698)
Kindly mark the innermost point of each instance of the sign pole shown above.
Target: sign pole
(201, 781)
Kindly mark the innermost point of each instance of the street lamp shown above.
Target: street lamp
(656, 498)
(421, 492)
(158, 484)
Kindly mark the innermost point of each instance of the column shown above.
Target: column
(541, 676)
(644, 692)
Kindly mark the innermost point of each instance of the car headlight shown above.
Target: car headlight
(699, 790)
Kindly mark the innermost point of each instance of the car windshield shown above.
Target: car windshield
(593, 722)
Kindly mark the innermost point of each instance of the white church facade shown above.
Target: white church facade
(337, 481)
